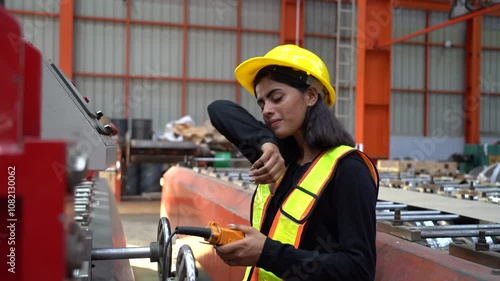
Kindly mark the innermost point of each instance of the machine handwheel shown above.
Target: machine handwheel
(186, 265)
(165, 261)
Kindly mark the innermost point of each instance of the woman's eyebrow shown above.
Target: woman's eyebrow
(268, 95)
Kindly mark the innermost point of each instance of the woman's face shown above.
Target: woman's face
(283, 107)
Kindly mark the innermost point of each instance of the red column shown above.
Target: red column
(289, 19)
(473, 80)
(373, 79)
(66, 18)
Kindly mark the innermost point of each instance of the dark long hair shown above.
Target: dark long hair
(321, 129)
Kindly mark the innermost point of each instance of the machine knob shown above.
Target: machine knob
(99, 114)
(111, 129)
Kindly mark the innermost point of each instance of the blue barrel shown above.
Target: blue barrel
(150, 177)
(132, 181)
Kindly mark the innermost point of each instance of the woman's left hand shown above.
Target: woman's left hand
(244, 252)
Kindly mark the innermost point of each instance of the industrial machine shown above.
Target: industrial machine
(429, 227)
(59, 220)
(476, 155)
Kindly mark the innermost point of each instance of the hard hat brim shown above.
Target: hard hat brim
(247, 70)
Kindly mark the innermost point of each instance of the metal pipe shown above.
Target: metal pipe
(457, 233)
(495, 247)
(390, 206)
(477, 227)
(411, 213)
(121, 253)
(421, 217)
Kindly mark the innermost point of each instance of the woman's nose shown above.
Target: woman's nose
(267, 110)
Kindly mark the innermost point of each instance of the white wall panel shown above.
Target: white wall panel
(320, 17)
(253, 45)
(490, 139)
(213, 12)
(490, 115)
(211, 54)
(260, 14)
(447, 69)
(102, 8)
(446, 115)
(200, 95)
(157, 10)
(491, 31)
(490, 71)
(406, 21)
(44, 6)
(433, 148)
(156, 51)
(407, 114)
(105, 94)
(325, 49)
(43, 33)
(157, 100)
(99, 47)
(408, 66)
(454, 33)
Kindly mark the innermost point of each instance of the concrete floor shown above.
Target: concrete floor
(140, 222)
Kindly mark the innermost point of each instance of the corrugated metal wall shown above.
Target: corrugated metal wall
(321, 37)
(490, 78)
(99, 56)
(157, 74)
(42, 26)
(428, 87)
(258, 15)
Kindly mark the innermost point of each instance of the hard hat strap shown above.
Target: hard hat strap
(312, 81)
(301, 76)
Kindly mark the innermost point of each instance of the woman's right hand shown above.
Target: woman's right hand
(270, 166)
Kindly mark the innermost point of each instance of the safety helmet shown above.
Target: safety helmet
(291, 56)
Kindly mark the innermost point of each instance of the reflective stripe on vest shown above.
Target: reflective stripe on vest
(289, 222)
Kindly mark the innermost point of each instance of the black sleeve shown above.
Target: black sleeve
(353, 257)
(243, 130)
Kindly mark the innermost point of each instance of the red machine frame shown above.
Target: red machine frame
(33, 185)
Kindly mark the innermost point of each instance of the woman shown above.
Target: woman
(313, 212)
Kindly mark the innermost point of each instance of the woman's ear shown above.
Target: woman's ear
(311, 96)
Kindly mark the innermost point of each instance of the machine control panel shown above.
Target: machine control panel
(81, 123)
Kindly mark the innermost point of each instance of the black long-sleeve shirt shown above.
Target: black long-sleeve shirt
(339, 238)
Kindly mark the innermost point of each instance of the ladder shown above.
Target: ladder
(345, 59)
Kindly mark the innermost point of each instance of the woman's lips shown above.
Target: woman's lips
(274, 123)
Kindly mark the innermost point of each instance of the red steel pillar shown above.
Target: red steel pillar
(473, 81)
(292, 22)
(373, 77)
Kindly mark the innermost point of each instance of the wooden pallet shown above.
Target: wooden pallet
(434, 168)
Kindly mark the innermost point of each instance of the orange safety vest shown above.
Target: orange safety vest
(289, 222)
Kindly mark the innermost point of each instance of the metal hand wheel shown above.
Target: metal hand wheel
(186, 265)
(165, 260)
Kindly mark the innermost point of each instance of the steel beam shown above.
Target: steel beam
(388, 43)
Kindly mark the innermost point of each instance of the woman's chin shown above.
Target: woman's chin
(280, 135)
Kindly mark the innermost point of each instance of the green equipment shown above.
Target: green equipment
(476, 155)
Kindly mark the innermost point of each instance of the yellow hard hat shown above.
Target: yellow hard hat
(289, 56)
